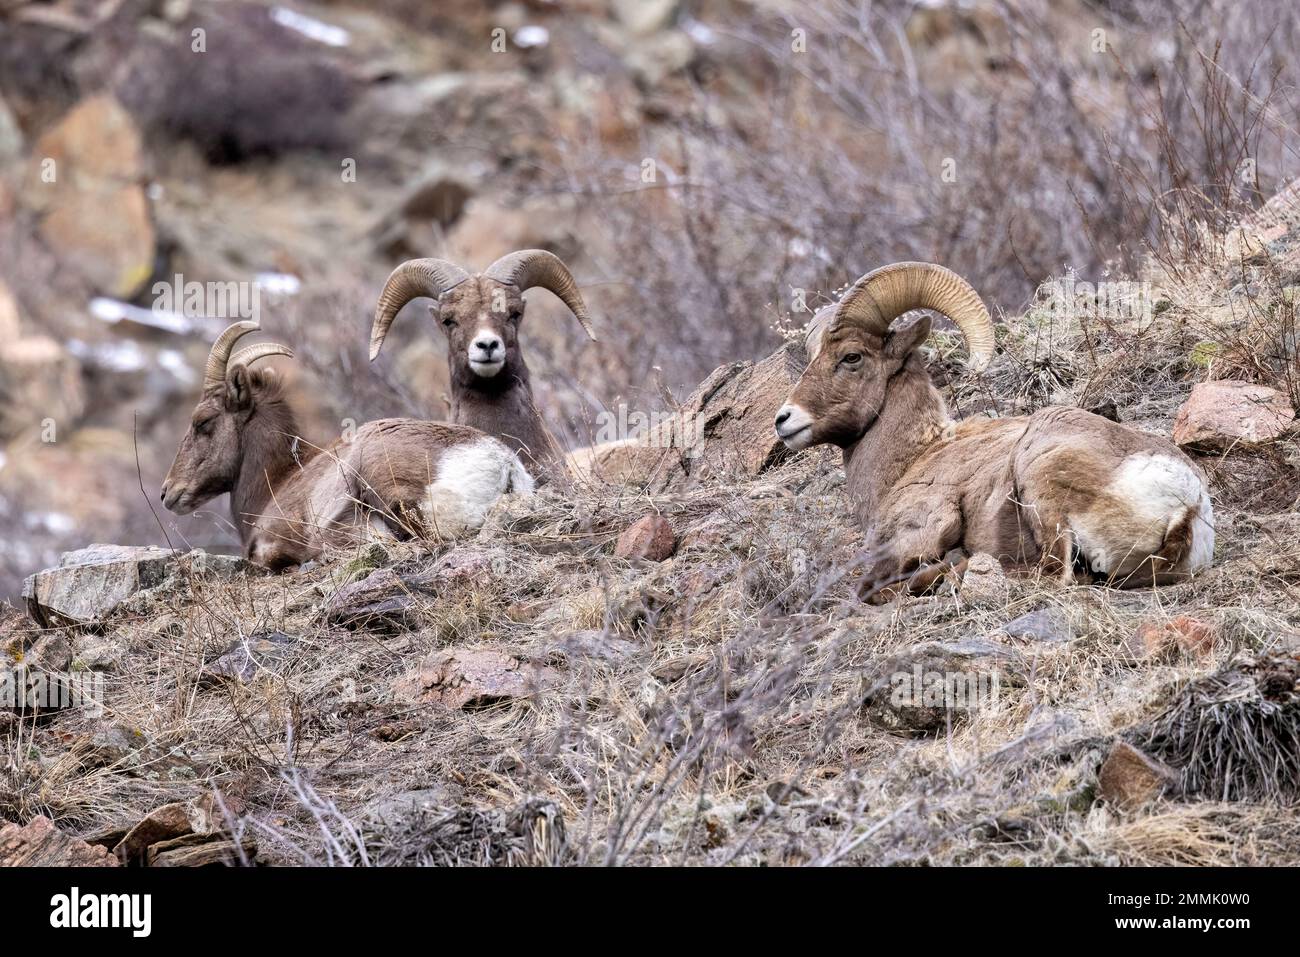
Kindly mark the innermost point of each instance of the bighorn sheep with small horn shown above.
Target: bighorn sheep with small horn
(1061, 489)
(480, 315)
(290, 499)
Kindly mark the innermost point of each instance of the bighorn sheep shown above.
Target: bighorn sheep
(1061, 489)
(480, 315)
(290, 499)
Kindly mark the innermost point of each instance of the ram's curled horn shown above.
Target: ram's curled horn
(884, 294)
(536, 267)
(250, 355)
(214, 374)
(411, 280)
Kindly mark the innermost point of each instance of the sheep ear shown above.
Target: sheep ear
(239, 389)
(902, 340)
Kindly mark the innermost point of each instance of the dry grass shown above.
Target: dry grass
(708, 708)
(720, 724)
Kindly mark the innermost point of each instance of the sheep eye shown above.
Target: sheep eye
(449, 322)
(853, 358)
(204, 427)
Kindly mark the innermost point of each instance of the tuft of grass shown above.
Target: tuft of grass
(1235, 734)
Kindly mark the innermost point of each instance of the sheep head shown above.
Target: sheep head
(479, 314)
(855, 351)
(208, 459)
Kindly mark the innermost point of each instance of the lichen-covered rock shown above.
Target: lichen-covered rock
(920, 689)
(49, 653)
(90, 583)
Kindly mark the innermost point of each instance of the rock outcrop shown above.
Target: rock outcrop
(40, 844)
(89, 191)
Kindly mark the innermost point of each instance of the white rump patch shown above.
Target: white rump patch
(471, 477)
(1156, 490)
(1157, 487)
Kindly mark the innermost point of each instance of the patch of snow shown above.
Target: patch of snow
(700, 33)
(278, 283)
(310, 27)
(112, 310)
(54, 522)
(114, 356)
(532, 36)
(174, 362)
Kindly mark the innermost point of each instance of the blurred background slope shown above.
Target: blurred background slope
(698, 164)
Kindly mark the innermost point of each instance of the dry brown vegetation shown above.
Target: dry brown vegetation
(708, 708)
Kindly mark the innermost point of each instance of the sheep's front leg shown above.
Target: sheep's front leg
(912, 562)
(916, 579)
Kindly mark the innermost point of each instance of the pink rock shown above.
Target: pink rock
(1223, 414)
(40, 844)
(473, 678)
(651, 538)
(1153, 639)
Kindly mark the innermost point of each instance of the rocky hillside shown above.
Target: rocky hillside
(685, 675)
(709, 169)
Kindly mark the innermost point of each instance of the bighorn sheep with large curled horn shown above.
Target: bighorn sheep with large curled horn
(480, 315)
(290, 499)
(1062, 489)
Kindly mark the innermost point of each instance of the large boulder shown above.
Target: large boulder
(1227, 413)
(93, 211)
(92, 582)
